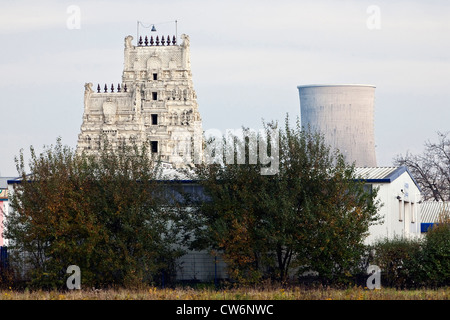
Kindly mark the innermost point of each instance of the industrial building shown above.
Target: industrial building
(434, 212)
(3, 205)
(344, 114)
(399, 195)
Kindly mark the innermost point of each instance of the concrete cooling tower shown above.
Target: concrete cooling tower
(344, 114)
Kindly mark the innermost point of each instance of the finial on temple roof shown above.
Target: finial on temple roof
(128, 42)
(185, 42)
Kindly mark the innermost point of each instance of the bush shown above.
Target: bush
(415, 263)
(398, 259)
(435, 259)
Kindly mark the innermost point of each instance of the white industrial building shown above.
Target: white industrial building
(3, 205)
(401, 202)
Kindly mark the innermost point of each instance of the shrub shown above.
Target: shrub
(435, 258)
(398, 259)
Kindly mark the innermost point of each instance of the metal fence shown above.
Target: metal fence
(200, 267)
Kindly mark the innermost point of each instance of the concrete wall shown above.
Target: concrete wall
(345, 115)
(401, 217)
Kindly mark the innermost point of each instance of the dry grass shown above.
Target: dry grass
(295, 293)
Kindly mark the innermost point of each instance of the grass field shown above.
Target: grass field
(295, 293)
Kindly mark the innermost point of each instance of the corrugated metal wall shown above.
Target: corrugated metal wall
(432, 211)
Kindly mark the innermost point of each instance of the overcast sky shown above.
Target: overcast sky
(248, 57)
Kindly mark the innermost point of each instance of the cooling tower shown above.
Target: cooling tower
(344, 114)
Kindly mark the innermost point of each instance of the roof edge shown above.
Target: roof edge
(337, 85)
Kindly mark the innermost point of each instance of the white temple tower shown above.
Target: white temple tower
(155, 102)
(344, 114)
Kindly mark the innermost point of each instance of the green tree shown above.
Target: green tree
(408, 263)
(312, 214)
(104, 213)
(399, 260)
(435, 257)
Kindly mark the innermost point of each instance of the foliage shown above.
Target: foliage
(431, 169)
(409, 263)
(313, 214)
(398, 259)
(102, 213)
(435, 259)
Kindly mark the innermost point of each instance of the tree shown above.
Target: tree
(103, 213)
(313, 214)
(431, 169)
(409, 263)
(435, 257)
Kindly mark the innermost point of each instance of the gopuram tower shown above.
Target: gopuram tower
(155, 103)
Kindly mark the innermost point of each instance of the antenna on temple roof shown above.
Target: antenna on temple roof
(153, 27)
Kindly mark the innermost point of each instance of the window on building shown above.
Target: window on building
(413, 213)
(407, 211)
(154, 95)
(155, 76)
(154, 146)
(154, 119)
(400, 210)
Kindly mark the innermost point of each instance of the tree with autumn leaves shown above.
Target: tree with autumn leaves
(110, 215)
(103, 213)
(312, 215)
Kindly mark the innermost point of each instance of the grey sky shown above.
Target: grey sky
(247, 59)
